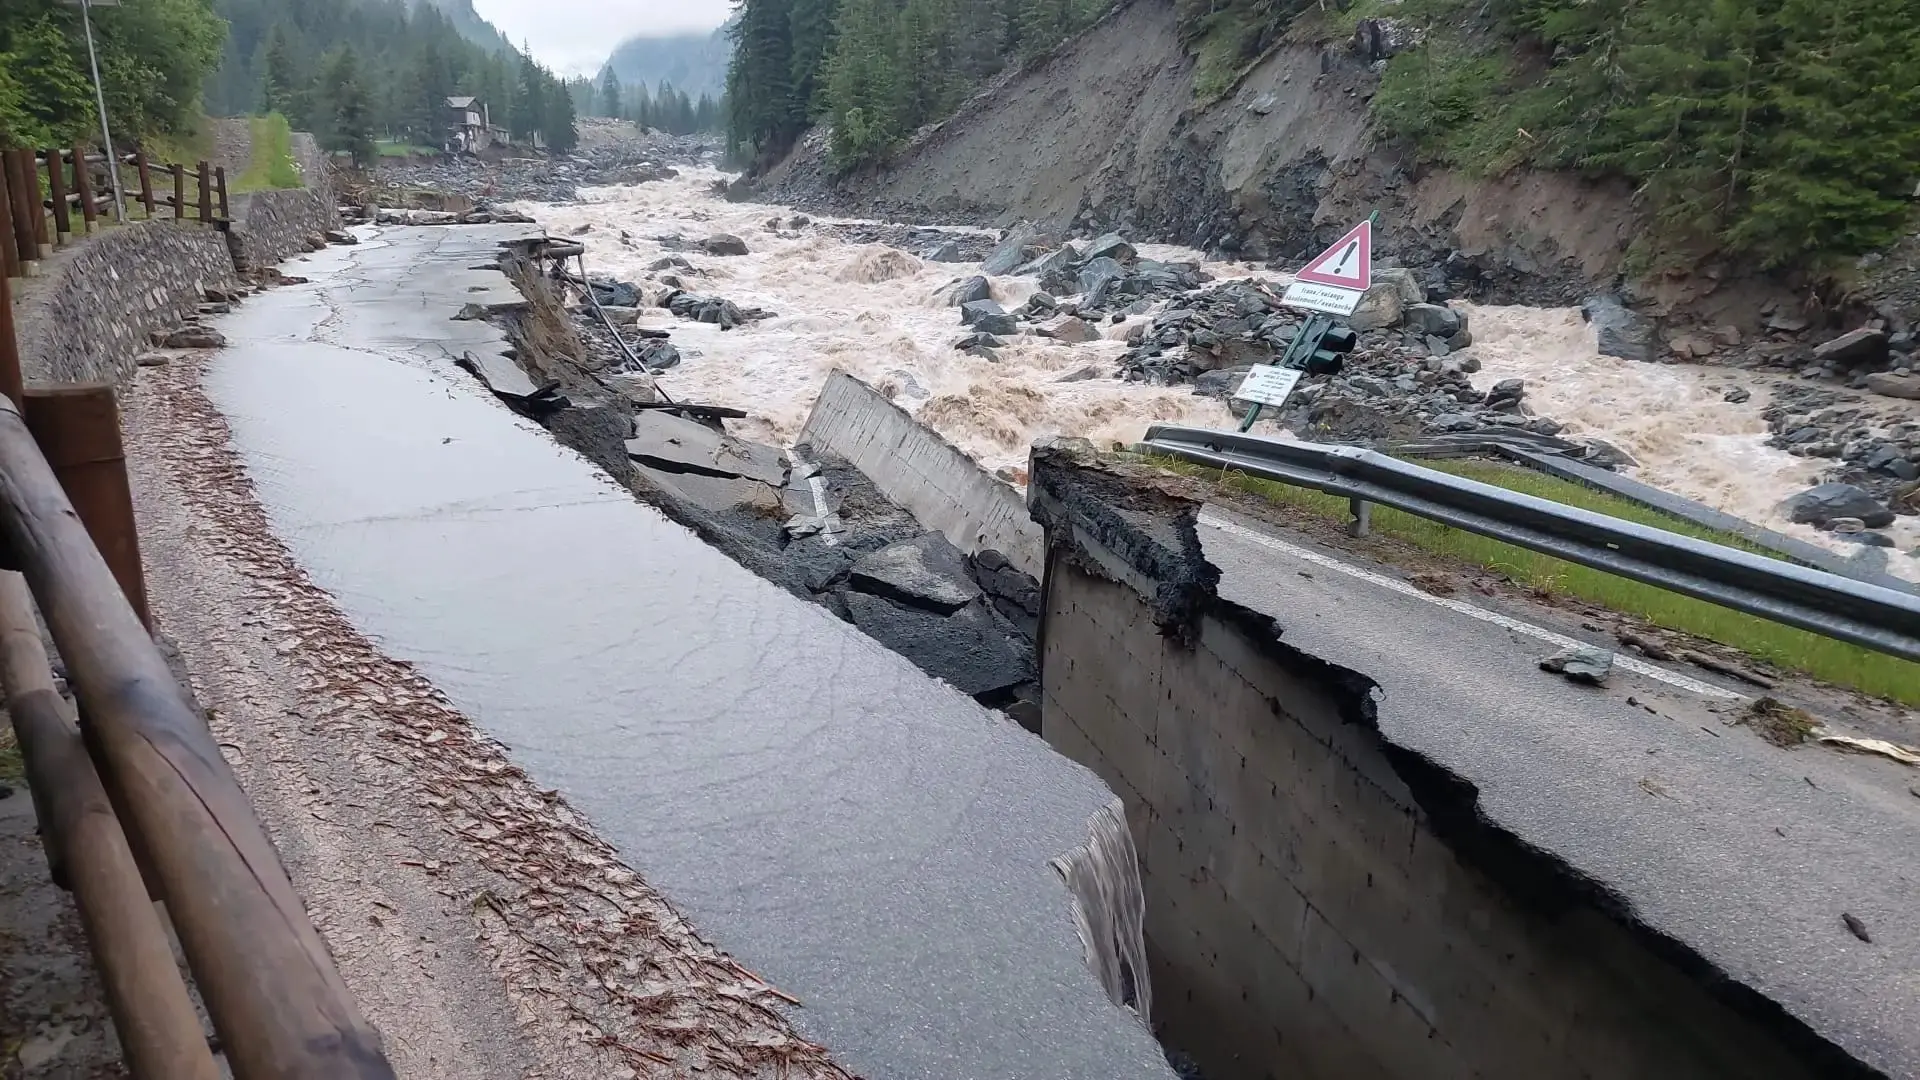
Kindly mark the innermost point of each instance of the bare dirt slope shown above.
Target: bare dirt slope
(1106, 132)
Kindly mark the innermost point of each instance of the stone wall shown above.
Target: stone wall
(89, 314)
(1304, 916)
(271, 226)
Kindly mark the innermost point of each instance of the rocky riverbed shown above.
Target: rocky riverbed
(1000, 338)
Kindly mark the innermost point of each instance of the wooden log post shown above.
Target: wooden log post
(22, 187)
(160, 1033)
(83, 183)
(220, 180)
(57, 196)
(9, 248)
(36, 206)
(146, 180)
(206, 193)
(78, 430)
(277, 1002)
(179, 192)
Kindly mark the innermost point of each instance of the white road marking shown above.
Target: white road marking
(819, 488)
(1638, 667)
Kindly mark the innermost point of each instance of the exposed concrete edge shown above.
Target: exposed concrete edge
(1136, 526)
(922, 473)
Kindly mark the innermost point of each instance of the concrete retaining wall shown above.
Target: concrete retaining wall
(1304, 918)
(922, 472)
(90, 313)
(271, 226)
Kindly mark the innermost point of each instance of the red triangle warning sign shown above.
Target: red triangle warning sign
(1347, 264)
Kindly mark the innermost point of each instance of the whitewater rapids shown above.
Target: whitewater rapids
(872, 311)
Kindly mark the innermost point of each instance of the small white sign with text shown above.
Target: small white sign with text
(1268, 385)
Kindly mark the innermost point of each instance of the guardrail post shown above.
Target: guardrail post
(206, 194)
(88, 854)
(1362, 523)
(57, 195)
(220, 180)
(30, 168)
(146, 180)
(83, 183)
(9, 248)
(78, 429)
(179, 192)
(22, 187)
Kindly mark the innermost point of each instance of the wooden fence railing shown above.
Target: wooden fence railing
(135, 801)
(41, 191)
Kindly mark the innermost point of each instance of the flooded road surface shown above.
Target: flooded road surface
(872, 311)
(868, 840)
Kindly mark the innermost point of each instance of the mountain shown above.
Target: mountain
(695, 64)
(471, 25)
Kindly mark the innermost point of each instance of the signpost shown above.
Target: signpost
(1332, 284)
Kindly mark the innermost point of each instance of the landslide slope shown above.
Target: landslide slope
(1106, 132)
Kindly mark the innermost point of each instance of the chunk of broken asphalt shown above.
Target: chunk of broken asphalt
(1584, 664)
(927, 573)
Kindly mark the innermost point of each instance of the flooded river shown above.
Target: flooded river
(873, 311)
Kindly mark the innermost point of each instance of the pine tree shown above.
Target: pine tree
(760, 89)
(612, 100)
(811, 30)
(279, 89)
(350, 126)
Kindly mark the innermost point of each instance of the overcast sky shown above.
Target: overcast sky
(575, 37)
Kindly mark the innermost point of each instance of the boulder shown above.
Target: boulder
(966, 291)
(337, 236)
(1623, 332)
(1434, 320)
(610, 293)
(1739, 395)
(980, 345)
(1405, 281)
(724, 244)
(1012, 251)
(1895, 386)
(1859, 348)
(195, 337)
(1097, 278)
(927, 573)
(948, 252)
(1113, 246)
(1072, 330)
(1382, 306)
(1826, 503)
(1055, 269)
(1787, 322)
(988, 317)
(1221, 382)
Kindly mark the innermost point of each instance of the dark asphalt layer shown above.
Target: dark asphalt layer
(868, 839)
(1679, 822)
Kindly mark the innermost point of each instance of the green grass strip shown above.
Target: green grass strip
(1792, 649)
(272, 167)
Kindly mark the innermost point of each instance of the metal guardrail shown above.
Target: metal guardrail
(1881, 619)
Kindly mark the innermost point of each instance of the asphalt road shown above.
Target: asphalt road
(869, 840)
(1747, 853)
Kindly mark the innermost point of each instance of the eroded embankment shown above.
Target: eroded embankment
(1377, 847)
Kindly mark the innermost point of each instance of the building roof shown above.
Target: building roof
(461, 102)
